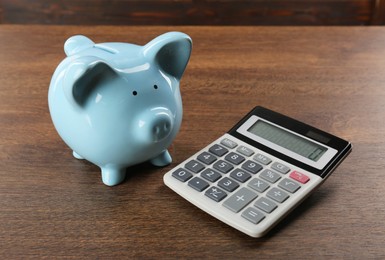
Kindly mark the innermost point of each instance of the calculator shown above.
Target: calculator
(253, 176)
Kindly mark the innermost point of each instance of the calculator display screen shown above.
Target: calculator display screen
(290, 141)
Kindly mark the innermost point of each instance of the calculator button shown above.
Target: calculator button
(194, 166)
(240, 199)
(223, 166)
(240, 175)
(245, 151)
(211, 175)
(252, 167)
(277, 195)
(234, 158)
(207, 158)
(228, 184)
(198, 184)
(280, 167)
(215, 194)
(265, 204)
(258, 185)
(262, 159)
(253, 215)
(228, 143)
(302, 178)
(270, 176)
(289, 185)
(182, 175)
(218, 150)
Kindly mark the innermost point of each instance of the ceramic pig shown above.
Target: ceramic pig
(119, 104)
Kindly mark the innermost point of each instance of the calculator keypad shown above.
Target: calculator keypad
(241, 178)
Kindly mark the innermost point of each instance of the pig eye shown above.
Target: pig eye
(155, 87)
(134, 93)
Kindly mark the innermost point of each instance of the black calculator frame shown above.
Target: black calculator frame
(342, 146)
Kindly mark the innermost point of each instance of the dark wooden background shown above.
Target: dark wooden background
(193, 12)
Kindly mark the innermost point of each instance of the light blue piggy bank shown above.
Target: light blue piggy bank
(119, 104)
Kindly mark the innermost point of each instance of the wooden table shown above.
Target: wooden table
(52, 205)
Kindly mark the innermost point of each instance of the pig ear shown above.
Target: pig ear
(171, 51)
(82, 75)
(76, 44)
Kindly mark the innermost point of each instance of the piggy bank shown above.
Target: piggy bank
(119, 104)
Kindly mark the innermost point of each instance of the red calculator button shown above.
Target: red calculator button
(302, 178)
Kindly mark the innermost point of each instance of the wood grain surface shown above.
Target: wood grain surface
(55, 206)
(193, 12)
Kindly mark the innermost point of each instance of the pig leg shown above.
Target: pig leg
(77, 156)
(112, 175)
(162, 159)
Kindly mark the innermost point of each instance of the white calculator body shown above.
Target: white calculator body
(254, 175)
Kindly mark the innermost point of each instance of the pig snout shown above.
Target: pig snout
(155, 125)
(161, 127)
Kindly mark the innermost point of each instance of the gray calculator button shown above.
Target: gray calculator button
(211, 175)
(289, 185)
(228, 184)
(194, 166)
(215, 194)
(223, 166)
(270, 176)
(228, 143)
(258, 185)
(239, 199)
(198, 184)
(253, 215)
(280, 167)
(277, 195)
(262, 159)
(207, 158)
(182, 175)
(234, 158)
(245, 151)
(240, 175)
(218, 150)
(252, 167)
(265, 205)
